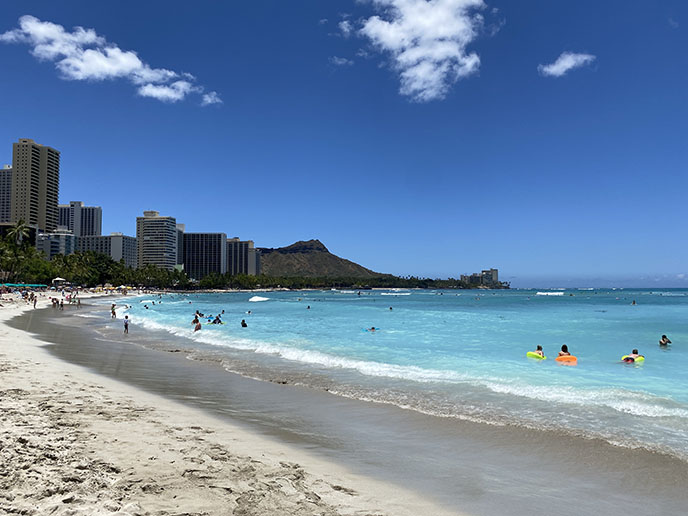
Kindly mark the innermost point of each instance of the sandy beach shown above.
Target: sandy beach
(73, 442)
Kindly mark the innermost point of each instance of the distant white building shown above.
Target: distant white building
(116, 245)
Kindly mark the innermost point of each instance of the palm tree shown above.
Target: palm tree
(19, 232)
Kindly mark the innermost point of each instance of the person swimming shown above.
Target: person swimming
(539, 351)
(664, 341)
(373, 328)
(564, 351)
(633, 357)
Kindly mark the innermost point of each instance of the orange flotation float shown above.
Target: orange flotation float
(567, 360)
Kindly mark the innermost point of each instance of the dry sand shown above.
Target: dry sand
(76, 443)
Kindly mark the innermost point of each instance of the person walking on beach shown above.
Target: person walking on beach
(34, 301)
(113, 313)
(61, 304)
(664, 341)
(126, 324)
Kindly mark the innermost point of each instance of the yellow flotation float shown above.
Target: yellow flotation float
(632, 360)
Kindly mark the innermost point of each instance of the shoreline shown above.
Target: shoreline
(74, 440)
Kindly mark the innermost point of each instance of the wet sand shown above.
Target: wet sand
(74, 442)
(459, 465)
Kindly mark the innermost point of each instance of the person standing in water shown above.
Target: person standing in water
(243, 323)
(664, 341)
(126, 324)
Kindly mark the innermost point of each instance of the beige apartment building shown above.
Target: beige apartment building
(156, 237)
(35, 184)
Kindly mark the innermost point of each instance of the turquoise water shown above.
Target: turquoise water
(462, 354)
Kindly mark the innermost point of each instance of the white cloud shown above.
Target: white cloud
(341, 61)
(565, 62)
(211, 98)
(346, 27)
(83, 55)
(173, 92)
(427, 40)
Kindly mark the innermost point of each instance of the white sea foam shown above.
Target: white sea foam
(620, 400)
(549, 293)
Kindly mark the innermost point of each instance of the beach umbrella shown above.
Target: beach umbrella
(55, 280)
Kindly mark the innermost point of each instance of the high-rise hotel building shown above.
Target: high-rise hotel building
(35, 184)
(242, 257)
(156, 237)
(5, 193)
(81, 220)
(205, 253)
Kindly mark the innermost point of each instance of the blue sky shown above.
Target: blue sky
(548, 139)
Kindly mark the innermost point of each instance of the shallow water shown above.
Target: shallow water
(462, 354)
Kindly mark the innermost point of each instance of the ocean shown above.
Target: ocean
(458, 354)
